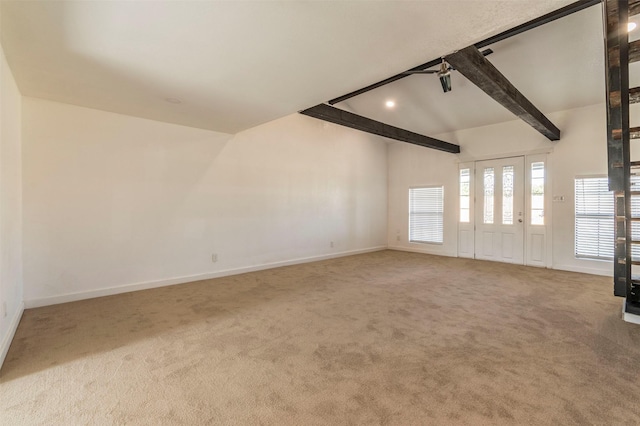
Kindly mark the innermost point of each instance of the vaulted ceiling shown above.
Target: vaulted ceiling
(557, 66)
(236, 64)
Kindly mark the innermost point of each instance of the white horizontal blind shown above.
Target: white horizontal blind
(426, 207)
(594, 219)
(635, 212)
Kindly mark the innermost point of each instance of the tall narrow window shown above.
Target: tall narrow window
(465, 197)
(635, 212)
(537, 193)
(594, 219)
(488, 182)
(507, 195)
(426, 207)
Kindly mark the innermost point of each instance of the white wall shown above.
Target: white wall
(581, 151)
(412, 165)
(11, 306)
(116, 201)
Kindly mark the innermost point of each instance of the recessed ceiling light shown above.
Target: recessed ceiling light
(631, 26)
(390, 104)
(173, 100)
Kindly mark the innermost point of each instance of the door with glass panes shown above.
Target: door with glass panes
(499, 212)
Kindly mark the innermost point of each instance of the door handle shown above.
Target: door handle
(520, 220)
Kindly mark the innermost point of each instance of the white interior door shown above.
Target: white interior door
(499, 212)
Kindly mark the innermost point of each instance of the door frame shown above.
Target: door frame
(532, 233)
(495, 232)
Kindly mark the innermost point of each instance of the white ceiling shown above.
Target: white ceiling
(557, 66)
(237, 64)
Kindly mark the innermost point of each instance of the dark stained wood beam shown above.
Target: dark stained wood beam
(618, 52)
(349, 119)
(544, 19)
(634, 8)
(534, 23)
(634, 51)
(634, 133)
(391, 79)
(477, 69)
(634, 96)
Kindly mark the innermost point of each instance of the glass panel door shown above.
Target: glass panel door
(499, 233)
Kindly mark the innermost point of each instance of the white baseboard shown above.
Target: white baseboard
(585, 270)
(633, 319)
(425, 250)
(8, 338)
(627, 317)
(109, 291)
(569, 268)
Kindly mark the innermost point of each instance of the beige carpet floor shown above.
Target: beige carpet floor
(381, 338)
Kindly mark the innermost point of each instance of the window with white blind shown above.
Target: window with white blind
(635, 212)
(594, 218)
(426, 207)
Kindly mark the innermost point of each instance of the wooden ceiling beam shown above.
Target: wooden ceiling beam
(634, 8)
(534, 23)
(634, 51)
(634, 133)
(477, 69)
(358, 122)
(634, 96)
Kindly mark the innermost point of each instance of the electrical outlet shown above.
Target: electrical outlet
(214, 257)
(331, 244)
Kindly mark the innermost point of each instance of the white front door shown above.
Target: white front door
(499, 212)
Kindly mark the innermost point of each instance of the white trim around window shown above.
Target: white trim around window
(426, 211)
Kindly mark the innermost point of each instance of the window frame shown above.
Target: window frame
(531, 194)
(581, 253)
(439, 214)
(469, 195)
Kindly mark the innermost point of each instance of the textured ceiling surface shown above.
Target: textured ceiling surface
(557, 66)
(237, 64)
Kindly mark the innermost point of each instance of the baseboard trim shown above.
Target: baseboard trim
(8, 338)
(423, 251)
(631, 318)
(627, 317)
(592, 271)
(110, 291)
(568, 268)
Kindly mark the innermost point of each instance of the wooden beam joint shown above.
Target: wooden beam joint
(477, 69)
(549, 17)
